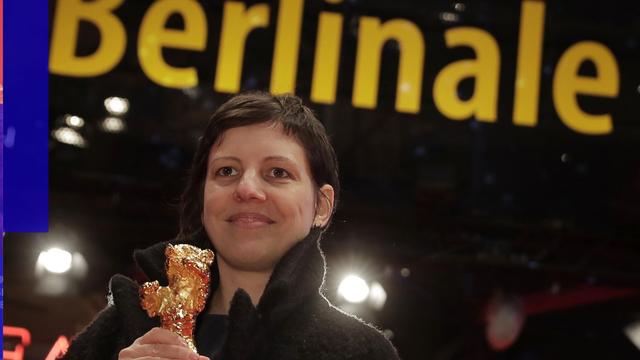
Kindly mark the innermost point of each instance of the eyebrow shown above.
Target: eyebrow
(279, 158)
(225, 158)
(268, 158)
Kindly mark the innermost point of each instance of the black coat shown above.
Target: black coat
(291, 321)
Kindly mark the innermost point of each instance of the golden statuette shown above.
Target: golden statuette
(179, 304)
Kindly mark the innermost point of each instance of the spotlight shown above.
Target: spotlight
(55, 260)
(449, 17)
(377, 296)
(116, 105)
(112, 125)
(505, 318)
(192, 92)
(69, 136)
(74, 121)
(633, 333)
(354, 289)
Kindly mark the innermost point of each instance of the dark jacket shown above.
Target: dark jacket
(291, 321)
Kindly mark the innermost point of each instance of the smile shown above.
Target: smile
(250, 220)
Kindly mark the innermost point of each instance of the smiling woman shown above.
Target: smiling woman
(259, 200)
(262, 189)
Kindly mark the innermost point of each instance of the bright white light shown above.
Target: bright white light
(74, 121)
(354, 289)
(191, 92)
(116, 105)
(459, 6)
(405, 87)
(633, 333)
(69, 136)
(112, 124)
(55, 260)
(377, 296)
(450, 17)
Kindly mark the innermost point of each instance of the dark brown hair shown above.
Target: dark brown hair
(250, 108)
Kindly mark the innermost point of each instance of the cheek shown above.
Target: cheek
(305, 208)
(213, 200)
(206, 199)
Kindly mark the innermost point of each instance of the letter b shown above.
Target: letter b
(68, 14)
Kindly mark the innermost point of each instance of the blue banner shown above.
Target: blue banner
(25, 127)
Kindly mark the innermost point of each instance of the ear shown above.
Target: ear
(324, 206)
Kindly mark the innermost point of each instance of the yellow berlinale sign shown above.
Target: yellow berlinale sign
(239, 20)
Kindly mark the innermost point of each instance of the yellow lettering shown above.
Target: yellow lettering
(567, 84)
(527, 85)
(285, 55)
(64, 38)
(237, 23)
(154, 37)
(327, 58)
(485, 68)
(371, 38)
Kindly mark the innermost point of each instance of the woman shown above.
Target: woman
(263, 188)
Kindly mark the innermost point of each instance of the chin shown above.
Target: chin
(253, 264)
(248, 255)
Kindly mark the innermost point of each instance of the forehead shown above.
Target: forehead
(261, 140)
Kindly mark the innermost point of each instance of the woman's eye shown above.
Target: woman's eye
(226, 171)
(278, 173)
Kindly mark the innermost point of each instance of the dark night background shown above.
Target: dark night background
(447, 215)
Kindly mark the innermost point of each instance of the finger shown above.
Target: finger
(158, 351)
(161, 336)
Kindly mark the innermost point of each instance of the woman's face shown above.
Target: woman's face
(259, 196)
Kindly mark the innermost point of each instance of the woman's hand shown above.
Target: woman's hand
(159, 344)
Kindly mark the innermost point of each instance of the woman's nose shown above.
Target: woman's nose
(249, 187)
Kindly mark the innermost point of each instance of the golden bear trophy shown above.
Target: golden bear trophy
(179, 304)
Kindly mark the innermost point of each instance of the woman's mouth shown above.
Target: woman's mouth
(249, 220)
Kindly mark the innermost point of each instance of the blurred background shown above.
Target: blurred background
(461, 238)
